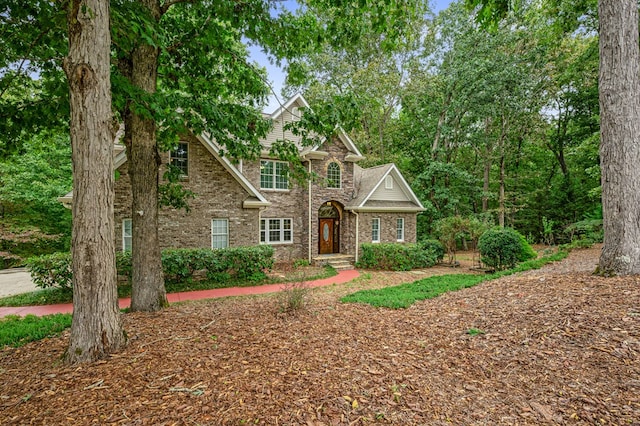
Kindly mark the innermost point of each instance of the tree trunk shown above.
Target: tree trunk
(485, 182)
(147, 293)
(620, 136)
(501, 198)
(96, 329)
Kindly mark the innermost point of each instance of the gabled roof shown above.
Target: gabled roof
(255, 200)
(214, 149)
(355, 153)
(367, 181)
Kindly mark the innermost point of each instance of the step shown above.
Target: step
(340, 265)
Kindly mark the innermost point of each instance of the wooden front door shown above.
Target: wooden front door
(326, 236)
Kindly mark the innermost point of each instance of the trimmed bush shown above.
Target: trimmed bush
(435, 247)
(502, 248)
(51, 270)
(179, 265)
(397, 257)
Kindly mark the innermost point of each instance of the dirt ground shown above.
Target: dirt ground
(552, 346)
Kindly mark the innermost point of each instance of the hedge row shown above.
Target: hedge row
(400, 257)
(179, 265)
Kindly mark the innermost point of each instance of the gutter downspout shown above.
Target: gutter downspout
(357, 233)
(309, 212)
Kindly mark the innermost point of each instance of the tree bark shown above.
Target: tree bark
(620, 136)
(96, 329)
(147, 292)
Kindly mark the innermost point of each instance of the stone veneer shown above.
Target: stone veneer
(220, 196)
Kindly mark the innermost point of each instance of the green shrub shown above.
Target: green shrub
(396, 257)
(435, 247)
(179, 265)
(502, 248)
(51, 270)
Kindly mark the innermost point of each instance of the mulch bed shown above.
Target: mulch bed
(553, 346)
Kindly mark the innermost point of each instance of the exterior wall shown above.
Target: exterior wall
(388, 227)
(218, 196)
(393, 194)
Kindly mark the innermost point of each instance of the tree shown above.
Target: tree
(619, 136)
(96, 329)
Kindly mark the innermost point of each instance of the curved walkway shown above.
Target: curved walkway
(67, 308)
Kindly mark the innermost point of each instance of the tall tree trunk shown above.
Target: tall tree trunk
(620, 136)
(147, 291)
(485, 181)
(96, 329)
(501, 198)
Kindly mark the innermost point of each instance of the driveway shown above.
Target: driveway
(15, 281)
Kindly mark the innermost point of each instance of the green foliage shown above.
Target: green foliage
(179, 265)
(433, 246)
(52, 270)
(503, 248)
(16, 331)
(454, 231)
(398, 257)
(404, 295)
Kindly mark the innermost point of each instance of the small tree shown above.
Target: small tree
(503, 248)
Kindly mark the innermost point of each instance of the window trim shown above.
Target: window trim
(125, 236)
(173, 157)
(339, 171)
(400, 229)
(373, 230)
(274, 176)
(226, 234)
(281, 229)
(388, 182)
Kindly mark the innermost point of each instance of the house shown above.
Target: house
(253, 202)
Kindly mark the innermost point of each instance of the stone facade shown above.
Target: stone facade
(220, 195)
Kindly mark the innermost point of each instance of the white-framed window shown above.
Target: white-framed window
(295, 114)
(274, 175)
(334, 175)
(400, 229)
(388, 182)
(219, 233)
(180, 158)
(276, 231)
(375, 230)
(126, 234)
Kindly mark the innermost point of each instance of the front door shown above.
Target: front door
(326, 236)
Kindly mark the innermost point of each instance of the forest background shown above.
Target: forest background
(501, 125)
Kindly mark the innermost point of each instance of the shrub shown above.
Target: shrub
(51, 270)
(397, 257)
(502, 248)
(179, 265)
(435, 247)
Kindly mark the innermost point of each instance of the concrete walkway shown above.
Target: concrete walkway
(341, 278)
(16, 281)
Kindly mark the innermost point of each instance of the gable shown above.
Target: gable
(389, 190)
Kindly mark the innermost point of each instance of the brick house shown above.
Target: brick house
(253, 202)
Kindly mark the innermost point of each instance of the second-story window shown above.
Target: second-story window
(274, 175)
(180, 158)
(334, 175)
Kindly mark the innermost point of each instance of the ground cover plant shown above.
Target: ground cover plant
(407, 294)
(17, 331)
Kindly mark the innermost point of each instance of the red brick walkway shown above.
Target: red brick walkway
(341, 278)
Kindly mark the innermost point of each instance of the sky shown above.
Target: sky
(276, 75)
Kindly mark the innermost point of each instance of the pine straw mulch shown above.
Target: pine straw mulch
(553, 346)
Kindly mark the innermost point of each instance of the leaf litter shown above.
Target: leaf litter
(558, 346)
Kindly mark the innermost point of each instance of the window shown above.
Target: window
(334, 175)
(295, 114)
(400, 229)
(375, 230)
(276, 231)
(180, 158)
(126, 235)
(274, 175)
(388, 182)
(219, 233)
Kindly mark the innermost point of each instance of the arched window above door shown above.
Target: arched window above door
(334, 175)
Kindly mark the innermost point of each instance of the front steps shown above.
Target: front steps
(339, 262)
